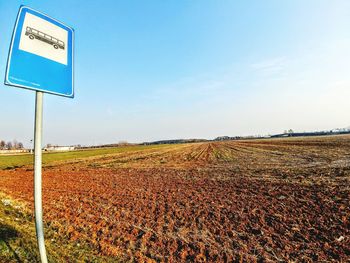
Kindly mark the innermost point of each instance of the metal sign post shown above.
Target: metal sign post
(40, 59)
(37, 175)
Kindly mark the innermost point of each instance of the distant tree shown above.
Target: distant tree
(9, 145)
(290, 131)
(15, 144)
(2, 144)
(20, 145)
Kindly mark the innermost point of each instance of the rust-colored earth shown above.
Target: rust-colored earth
(257, 200)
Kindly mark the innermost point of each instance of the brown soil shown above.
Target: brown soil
(259, 200)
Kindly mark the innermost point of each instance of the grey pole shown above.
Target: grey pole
(37, 175)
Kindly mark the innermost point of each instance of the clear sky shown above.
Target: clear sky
(151, 70)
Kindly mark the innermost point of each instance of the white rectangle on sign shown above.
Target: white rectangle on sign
(44, 39)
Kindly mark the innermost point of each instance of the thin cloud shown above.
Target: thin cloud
(270, 66)
(190, 88)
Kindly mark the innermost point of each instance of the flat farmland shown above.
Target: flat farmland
(254, 200)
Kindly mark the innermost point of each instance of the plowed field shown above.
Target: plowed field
(256, 200)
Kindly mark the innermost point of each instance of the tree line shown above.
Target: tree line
(14, 145)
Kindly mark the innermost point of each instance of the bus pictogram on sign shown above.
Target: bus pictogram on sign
(36, 34)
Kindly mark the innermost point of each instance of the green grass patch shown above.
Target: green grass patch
(20, 160)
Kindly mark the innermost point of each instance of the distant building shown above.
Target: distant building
(59, 148)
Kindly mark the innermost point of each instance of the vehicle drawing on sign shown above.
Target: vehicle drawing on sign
(36, 34)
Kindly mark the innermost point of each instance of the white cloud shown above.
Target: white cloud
(270, 66)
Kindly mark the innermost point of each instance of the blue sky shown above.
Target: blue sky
(151, 70)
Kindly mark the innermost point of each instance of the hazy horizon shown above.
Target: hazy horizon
(148, 71)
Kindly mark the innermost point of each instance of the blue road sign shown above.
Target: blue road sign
(41, 54)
